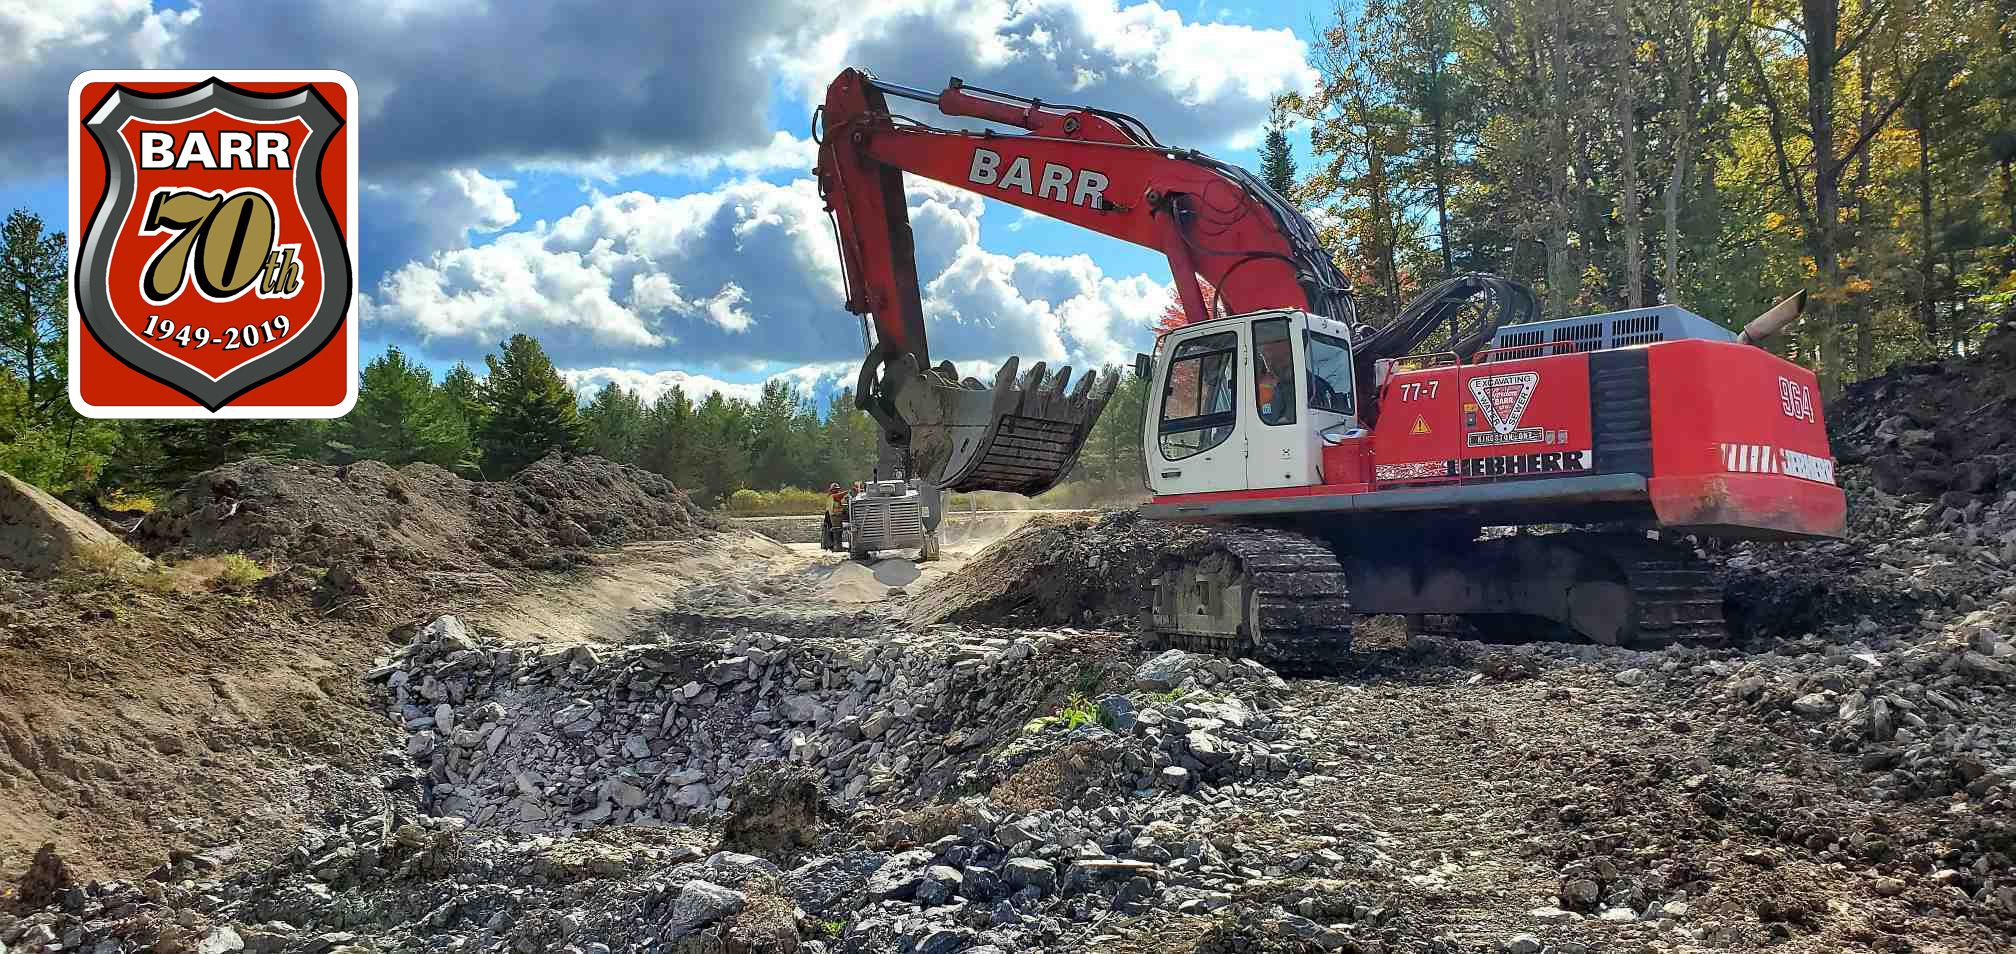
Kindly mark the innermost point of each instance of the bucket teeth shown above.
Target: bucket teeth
(1022, 435)
(1084, 386)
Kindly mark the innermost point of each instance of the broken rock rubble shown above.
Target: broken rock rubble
(584, 736)
(543, 741)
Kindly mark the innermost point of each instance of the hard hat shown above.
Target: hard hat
(835, 486)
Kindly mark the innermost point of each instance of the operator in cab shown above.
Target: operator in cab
(1275, 378)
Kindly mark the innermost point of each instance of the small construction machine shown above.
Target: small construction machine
(1343, 469)
(887, 515)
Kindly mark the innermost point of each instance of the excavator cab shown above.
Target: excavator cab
(1249, 402)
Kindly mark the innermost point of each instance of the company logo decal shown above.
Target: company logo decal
(1503, 399)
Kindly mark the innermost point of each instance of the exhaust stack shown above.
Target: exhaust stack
(1773, 321)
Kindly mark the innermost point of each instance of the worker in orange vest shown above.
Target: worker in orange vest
(836, 507)
(1276, 392)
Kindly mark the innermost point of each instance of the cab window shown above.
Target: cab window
(1198, 395)
(1273, 371)
(1330, 374)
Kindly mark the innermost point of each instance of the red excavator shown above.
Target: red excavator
(1343, 469)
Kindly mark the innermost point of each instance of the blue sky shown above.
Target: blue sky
(663, 230)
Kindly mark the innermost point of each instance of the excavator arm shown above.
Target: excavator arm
(1092, 168)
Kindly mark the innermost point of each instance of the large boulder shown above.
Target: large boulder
(776, 810)
(39, 534)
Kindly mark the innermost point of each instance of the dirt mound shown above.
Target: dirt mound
(1084, 568)
(1928, 454)
(1936, 428)
(211, 702)
(297, 512)
(38, 533)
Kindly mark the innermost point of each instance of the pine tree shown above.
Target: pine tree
(42, 440)
(776, 456)
(720, 450)
(1277, 162)
(613, 424)
(34, 309)
(401, 418)
(667, 443)
(464, 393)
(848, 442)
(165, 454)
(1112, 453)
(530, 410)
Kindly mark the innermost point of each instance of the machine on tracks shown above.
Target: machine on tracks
(1344, 469)
(886, 515)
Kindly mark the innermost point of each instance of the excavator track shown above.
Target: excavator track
(1276, 596)
(1286, 598)
(1678, 601)
(1674, 599)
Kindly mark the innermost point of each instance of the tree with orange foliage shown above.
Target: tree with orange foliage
(1173, 316)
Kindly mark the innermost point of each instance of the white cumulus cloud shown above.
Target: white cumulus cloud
(1193, 83)
(746, 275)
(814, 381)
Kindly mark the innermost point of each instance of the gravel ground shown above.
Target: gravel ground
(910, 774)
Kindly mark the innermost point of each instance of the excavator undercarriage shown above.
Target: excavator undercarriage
(1290, 598)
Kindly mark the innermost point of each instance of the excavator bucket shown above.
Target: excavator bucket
(1021, 435)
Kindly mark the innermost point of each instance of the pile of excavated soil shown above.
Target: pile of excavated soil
(1928, 461)
(1071, 570)
(194, 708)
(38, 533)
(302, 513)
(1936, 428)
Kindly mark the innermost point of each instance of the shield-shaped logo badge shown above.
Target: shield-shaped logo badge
(1503, 398)
(218, 253)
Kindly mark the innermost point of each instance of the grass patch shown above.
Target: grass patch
(105, 558)
(124, 502)
(236, 571)
(1171, 695)
(229, 573)
(1077, 711)
(226, 573)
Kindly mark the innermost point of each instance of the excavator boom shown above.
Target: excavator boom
(1093, 168)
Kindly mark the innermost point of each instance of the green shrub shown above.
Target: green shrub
(782, 502)
(236, 571)
(1073, 495)
(1078, 710)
